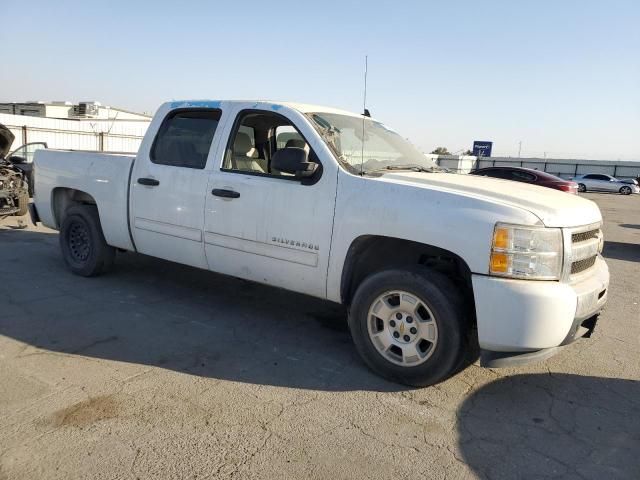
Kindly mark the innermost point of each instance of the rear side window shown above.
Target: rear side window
(185, 137)
(521, 176)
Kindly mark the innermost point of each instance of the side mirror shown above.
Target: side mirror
(294, 161)
(15, 159)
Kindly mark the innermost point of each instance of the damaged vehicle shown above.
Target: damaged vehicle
(14, 190)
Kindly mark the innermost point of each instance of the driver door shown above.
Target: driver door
(22, 158)
(264, 225)
(28, 150)
(611, 185)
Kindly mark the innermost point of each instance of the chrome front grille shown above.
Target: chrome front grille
(583, 251)
(583, 236)
(582, 265)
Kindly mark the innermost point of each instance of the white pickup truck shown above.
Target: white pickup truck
(336, 205)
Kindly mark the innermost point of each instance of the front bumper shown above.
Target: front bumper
(522, 317)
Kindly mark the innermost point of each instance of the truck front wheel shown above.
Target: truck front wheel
(84, 248)
(23, 203)
(408, 326)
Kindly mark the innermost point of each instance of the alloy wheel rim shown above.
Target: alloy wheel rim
(402, 328)
(79, 242)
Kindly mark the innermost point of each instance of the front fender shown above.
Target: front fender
(452, 221)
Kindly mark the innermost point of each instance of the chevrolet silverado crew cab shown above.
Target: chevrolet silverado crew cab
(337, 205)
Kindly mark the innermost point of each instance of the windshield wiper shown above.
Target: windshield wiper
(414, 168)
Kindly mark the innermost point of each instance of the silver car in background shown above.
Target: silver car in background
(599, 182)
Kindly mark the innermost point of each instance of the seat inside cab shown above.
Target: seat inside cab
(245, 156)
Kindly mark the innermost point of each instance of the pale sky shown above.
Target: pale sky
(562, 77)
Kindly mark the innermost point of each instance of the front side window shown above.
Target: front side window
(363, 145)
(29, 150)
(256, 138)
(184, 138)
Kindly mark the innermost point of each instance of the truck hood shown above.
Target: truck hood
(6, 139)
(553, 207)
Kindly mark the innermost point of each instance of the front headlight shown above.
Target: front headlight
(533, 253)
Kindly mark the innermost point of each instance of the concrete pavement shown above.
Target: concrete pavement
(157, 370)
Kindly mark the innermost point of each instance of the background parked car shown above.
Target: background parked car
(22, 159)
(528, 175)
(599, 182)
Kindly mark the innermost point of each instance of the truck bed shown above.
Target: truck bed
(103, 177)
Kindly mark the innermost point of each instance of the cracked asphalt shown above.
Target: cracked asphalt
(163, 371)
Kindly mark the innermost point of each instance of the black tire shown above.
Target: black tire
(441, 297)
(23, 203)
(82, 242)
(582, 187)
(625, 190)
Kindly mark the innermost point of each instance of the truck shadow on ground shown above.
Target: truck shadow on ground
(622, 251)
(552, 425)
(153, 312)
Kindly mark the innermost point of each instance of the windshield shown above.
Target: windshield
(363, 145)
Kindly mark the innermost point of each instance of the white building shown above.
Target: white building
(69, 110)
(74, 126)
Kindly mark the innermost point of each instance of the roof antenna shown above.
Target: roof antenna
(365, 113)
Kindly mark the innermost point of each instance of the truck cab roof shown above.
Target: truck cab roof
(264, 104)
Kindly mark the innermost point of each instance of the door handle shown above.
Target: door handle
(150, 182)
(221, 192)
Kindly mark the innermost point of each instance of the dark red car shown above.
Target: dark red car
(528, 175)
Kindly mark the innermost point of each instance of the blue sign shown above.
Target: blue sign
(482, 149)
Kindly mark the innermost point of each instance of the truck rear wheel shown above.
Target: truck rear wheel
(84, 248)
(408, 326)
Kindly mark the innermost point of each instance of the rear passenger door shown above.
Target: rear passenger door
(168, 186)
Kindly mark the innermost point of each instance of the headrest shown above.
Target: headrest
(242, 144)
(294, 142)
